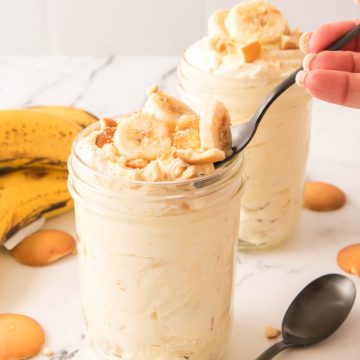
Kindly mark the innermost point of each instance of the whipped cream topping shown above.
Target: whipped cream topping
(225, 50)
(164, 141)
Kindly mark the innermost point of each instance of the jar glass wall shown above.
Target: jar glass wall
(157, 262)
(275, 160)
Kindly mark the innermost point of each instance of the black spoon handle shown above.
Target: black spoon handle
(338, 44)
(272, 351)
(290, 80)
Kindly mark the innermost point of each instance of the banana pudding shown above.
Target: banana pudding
(165, 140)
(248, 51)
(157, 227)
(251, 42)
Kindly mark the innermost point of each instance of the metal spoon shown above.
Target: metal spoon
(243, 133)
(316, 313)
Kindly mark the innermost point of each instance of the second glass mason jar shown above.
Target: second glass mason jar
(275, 160)
(157, 262)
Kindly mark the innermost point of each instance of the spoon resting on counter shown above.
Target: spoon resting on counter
(315, 314)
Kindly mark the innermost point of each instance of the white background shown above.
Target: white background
(99, 27)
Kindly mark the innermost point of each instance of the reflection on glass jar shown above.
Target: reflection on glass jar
(157, 262)
(275, 160)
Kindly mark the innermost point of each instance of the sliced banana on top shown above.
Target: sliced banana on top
(166, 108)
(252, 20)
(215, 132)
(216, 24)
(186, 134)
(142, 136)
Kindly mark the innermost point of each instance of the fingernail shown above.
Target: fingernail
(300, 77)
(304, 40)
(307, 61)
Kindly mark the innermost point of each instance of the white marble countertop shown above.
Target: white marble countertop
(266, 282)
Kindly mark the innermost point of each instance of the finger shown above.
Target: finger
(337, 87)
(322, 37)
(333, 60)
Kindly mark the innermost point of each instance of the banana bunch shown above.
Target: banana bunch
(39, 137)
(27, 194)
(34, 146)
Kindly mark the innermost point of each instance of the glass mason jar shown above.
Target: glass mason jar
(275, 160)
(157, 262)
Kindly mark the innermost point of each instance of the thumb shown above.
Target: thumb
(338, 87)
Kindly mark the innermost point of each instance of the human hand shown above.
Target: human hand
(333, 76)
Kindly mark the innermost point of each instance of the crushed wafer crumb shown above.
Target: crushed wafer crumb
(47, 352)
(152, 89)
(271, 332)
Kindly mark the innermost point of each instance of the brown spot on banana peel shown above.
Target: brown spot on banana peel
(65, 111)
(39, 173)
(92, 115)
(6, 170)
(31, 218)
(35, 162)
(15, 228)
(83, 126)
(35, 173)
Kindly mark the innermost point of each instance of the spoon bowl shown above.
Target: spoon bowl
(242, 134)
(308, 322)
(316, 313)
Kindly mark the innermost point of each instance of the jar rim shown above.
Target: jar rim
(198, 181)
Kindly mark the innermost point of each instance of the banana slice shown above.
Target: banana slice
(186, 133)
(166, 108)
(216, 24)
(141, 136)
(194, 157)
(215, 125)
(252, 20)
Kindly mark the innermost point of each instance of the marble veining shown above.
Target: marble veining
(53, 83)
(64, 355)
(266, 282)
(91, 78)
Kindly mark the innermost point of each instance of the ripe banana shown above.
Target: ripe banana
(141, 136)
(28, 194)
(78, 116)
(215, 125)
(36, 138)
